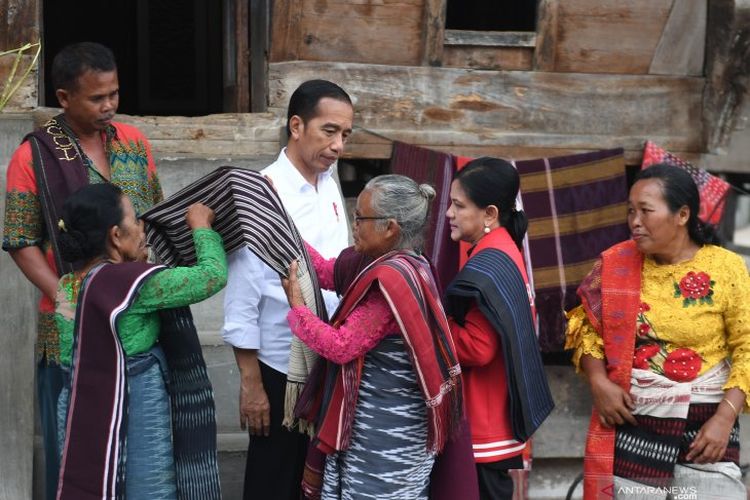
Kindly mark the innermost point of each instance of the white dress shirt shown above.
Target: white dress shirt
(255, 305)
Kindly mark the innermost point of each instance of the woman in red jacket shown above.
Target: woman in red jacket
(490, 310)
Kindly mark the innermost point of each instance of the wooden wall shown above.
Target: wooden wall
(513, 113)
(583, 36)
(626, 36)
(19, 24)
(599, 73)
(377, 32)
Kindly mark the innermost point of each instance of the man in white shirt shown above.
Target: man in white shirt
(319, 120)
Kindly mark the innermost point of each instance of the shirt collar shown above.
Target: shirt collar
(294, 179)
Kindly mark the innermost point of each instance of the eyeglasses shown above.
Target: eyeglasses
(359, 218)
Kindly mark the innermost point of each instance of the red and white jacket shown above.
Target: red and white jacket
(485, 386)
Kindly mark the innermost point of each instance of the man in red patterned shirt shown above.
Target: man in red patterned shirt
(80, 146)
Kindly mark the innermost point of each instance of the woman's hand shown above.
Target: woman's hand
(291, 287)
(199, 215)
(613, 403)
(710, 444)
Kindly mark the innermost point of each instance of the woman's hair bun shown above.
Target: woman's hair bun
(427, 191)
(72, 245)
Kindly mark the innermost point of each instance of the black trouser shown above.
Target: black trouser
(275, 463)
(494, 481)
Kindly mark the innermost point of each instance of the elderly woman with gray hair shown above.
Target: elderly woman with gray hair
(392, 390)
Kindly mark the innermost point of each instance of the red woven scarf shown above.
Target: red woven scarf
(408, 286)
(610, 296)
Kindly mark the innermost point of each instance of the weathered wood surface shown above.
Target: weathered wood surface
(608, 36)
(237, 92)
(386, 32)
(286, 33)
(491, 38)
(727, 70)
(363, 145)
(682, 45)
(447, 106)
(221, 136)
(259, 13)
(19, 25)
(433, 32)
(18, 304)
(492, 58)
(545, 50)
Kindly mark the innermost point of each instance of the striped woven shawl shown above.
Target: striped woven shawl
(492, 278)
(406, 282)
(93, 457)
(248, 213)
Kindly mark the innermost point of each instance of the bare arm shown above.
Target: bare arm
(255, 410)
(33, 264)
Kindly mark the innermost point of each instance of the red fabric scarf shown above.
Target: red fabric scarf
(610, 295)
(407, 285)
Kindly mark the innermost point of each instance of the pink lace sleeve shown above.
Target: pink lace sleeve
(323, 268)
(367, 325)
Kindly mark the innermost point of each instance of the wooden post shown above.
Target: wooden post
(434, 32)
(259, 55)
(727, 69)
(546, 36)
(236, 56)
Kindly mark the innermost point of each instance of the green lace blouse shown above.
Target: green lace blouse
(138, 327)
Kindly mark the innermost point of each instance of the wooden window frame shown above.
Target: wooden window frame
(436, 36)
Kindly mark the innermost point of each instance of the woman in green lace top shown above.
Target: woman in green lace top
(122, 301)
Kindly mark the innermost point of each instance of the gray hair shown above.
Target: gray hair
(401, 198)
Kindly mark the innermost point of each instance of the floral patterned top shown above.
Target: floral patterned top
(138, 327)
(692, 316)
(369, 322)
(132, 168)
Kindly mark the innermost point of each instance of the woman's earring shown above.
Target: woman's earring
(486, 229)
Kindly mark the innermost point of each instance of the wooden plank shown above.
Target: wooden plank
(222, 135)
(362, 31)
(19, 23)
(726, 70)
(682, 45)
(490, 38)
(545, 50)
(259, 12)
(528, 108)
(609, 36)
(286, 34)
(433, 32)
(493, 58)
(242, 56)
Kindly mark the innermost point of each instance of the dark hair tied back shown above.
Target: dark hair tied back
(679, 190)
(492, 181)
(88, 214)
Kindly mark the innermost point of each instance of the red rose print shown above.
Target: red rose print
(643, 329)
(695, 285)
(682, 365)
(644, 307)
(643, 354)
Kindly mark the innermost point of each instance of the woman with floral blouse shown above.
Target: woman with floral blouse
(663, 336)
